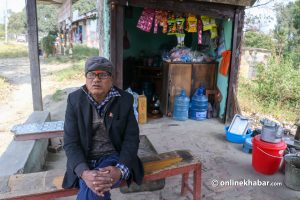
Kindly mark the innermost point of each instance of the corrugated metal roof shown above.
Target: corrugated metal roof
(54, 1)
(231, 2)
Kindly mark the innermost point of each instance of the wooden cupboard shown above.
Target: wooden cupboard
(188, 76)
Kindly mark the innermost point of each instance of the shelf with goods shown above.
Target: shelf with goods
(187, 76)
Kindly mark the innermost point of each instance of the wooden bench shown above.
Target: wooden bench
(188, 164)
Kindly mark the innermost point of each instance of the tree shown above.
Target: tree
(17, 23)
(258, 40)
(287, 32)
(296, 15)
(47, 19)
(47, 16)
(256, 22)
(84, 6)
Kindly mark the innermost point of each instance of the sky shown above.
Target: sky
(14, 5)
(266, 10)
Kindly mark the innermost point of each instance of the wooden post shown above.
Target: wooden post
(116, 41)
(297, 135)
(100, 26)
(34, 55)
(235, 62)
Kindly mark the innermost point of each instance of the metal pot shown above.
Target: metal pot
(292, 171)
(271, 131)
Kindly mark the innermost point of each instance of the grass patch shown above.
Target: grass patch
(79, 56)
(57, 96)
(74, 72)
(13, 50)
(4, 88)
(80, 52)
(251, 103)
(83, 52)
(56, 59)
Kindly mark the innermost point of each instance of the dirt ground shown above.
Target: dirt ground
(17, 104)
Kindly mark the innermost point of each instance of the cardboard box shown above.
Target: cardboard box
(142, 109)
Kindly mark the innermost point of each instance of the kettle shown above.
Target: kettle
(271, 131)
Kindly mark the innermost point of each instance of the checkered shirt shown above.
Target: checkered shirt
(99, 107)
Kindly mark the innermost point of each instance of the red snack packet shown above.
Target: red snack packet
(200, 26)
(146, 19)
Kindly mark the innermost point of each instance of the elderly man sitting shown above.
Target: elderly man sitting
(101, 135)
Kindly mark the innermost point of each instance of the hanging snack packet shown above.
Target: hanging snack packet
(214, 32)
(179, 26)
(210, 24)
(205, 22)
(146, 19)
(164, 21)
(200, 27)
(191, 24)
(171, 25)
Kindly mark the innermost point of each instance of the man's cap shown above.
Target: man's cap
(98, 63)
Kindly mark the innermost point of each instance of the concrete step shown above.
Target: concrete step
(55, 161)
(54, 165)
(56, 156)
(25, 156)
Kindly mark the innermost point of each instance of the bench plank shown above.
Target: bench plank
(38, 130)
(50, 185)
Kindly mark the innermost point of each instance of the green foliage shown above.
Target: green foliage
(279, 83)
(47, 18)
(17, 23)
(84, 6)
(13, 50)
(83, 52)
(287, 32)
(258, 40)
(80, 54)
(57, 96)
(275, 91)
(75, 72)
(296, 15)
(47, 44)
(256, 22)
(57, 59)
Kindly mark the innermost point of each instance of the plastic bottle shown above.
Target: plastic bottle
(199, 105)
(181, 106)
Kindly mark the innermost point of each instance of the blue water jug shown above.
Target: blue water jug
(181, 106)
(199, 105)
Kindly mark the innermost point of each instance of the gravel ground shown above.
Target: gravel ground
(17, 104)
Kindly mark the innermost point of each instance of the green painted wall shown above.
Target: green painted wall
(139, 40)
(222, 82)
(106, 17)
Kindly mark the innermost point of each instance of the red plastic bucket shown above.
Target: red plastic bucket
(266, 157)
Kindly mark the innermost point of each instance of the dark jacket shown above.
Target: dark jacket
(122, 128)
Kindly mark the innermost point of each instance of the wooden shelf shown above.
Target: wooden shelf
(149, 68)
(188, 76)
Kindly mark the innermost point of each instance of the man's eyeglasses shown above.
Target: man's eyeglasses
(93, 75)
